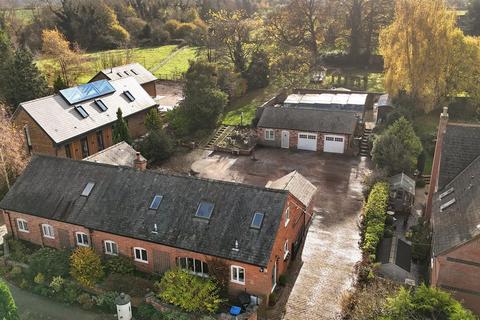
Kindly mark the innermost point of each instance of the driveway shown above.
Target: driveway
(331, 246)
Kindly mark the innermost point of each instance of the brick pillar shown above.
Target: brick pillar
(442, 128)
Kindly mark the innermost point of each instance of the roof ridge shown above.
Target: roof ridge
(465, 124)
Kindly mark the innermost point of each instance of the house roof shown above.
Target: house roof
(395, 251)
(385, 101)
(402, 181)
(456, 210)
(119, 204)
(135, 70)
(304, 119)
(120, 154)
(298, 185)
(340, 98)
(62, 122)
(460, 147)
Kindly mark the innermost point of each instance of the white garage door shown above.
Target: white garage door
(307, 141)
(334, 144)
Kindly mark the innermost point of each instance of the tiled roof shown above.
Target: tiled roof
(135, 70)
(120, 154)
(298, 185)
(119, 203)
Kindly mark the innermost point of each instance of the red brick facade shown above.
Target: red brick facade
(258, 281)
(293, 139)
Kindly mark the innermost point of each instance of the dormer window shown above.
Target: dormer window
(88, 189)
(156, 202)
(204, 210)
(129, 96)
(81, 111)
(257, 220)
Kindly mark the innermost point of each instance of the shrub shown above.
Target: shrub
(189, 292)
(85, 300)
(420, 183)
(50, 263)
(70, 292)
(374, 218)
(57, 284)
(86, 266)
(119, 264)
(282, 280)
(16, 273)
(106, 301)
(39, 278)
(18, 250)
(145, 312)
(8, 309)
(157, 145)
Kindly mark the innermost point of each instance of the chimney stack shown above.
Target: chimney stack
(139, 163)
(442, 129)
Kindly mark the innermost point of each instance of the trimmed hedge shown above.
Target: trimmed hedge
(375, 213)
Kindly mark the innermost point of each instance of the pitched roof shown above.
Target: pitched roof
(396, 251)
(403, 181)
(298, 185)
(460, 147)
(456, 210)
(308, 120)
(62, 122)
(120, 154)
(135, 70)
(119, 203)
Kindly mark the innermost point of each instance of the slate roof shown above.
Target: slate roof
(62, 122)
(396, 251)
(120, 154)
(298, 185)
(461, 145)
(313, 120)
(459, 222)
(402, 181)
(119, 203)
(139, 72)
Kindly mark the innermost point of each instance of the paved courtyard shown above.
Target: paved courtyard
(331, 247)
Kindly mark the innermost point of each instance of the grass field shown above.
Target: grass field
(166, 60)
(23, 14)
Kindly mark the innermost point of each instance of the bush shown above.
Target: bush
(374, 219)
(70, 292)
(420, 183)
(282, 280)
(39, 278)
(8, 309)
(50, 263)
(189, 292)
(57, 284)
(16, 273)
(86, 266)
(18, 250)
(106, 301)
(273, 298)
(157, 145)
(119, 264)
(85, 300)
(145, 312)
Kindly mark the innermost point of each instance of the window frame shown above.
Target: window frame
(210, 212)
(51, 233)
(285, 249)
(194, 270)
(100, 140)
(235, 274)
(129, 95)
(24, 225)
(155, 207)
(141, 256)
(268, 132)
(287, 216)
(110, 252)
(84, 147)
(255, 226)
(83, 238)
(68, 150)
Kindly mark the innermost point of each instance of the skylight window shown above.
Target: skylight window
(87, 91)
(88, 189)
(133, 71)
(446, 193)
(156, 202)
(126, 72)
(447, 204)
(81, 111)
(101, 105)
(204, 210)
(257, 220)
(119, 74)
(129, 96)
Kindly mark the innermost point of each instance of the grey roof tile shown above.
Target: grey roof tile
(120, 154)
(298, 185)
(141, 74)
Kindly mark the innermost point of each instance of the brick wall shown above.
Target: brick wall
(458, 271)
(41, 142)
(293, 139)
(136, 124)
(151, 88)
(160, 258)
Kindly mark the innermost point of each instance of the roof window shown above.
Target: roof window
(204, 210)
(156, 202)
(88, 189)
(126, 72)
(119, 74)
(257, 220)
(446, 193)
(447, 204)
(129, 96)
(133, 71)
(81, 111)
(101, 105)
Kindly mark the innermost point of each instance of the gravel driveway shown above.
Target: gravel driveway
(331, 247)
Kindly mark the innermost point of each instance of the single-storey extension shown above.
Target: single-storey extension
(120, 154)
(160, 221)
(144, 77)
(78, 121)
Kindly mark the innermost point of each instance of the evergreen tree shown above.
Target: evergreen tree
(59, 84)
(120, 131)
(153, 121)
(8, 309)
(258, 72)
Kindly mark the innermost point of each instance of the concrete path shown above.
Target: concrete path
(35, 307)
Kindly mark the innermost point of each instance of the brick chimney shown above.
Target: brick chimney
(139, 163)
(442, 128)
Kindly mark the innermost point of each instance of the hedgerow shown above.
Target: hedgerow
(375, 210)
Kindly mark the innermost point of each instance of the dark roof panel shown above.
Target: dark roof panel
(121, 191)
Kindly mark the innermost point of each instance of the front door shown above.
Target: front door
(161, 261)
(285, 139)
(64, 239)
(274, 276)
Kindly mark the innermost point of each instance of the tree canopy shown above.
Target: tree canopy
(8, 309)
(120, 129)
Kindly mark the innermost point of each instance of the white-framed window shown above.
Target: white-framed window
(269, 134)
(194, 266)
(140, 255)
(47, 231)
(22, 225)
(111, 247)
(82, 239)
(238, 274)
(287, 216)
(285, 249)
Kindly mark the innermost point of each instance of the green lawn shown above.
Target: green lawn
(151, 58)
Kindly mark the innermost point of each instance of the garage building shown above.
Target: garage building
(307, 129)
